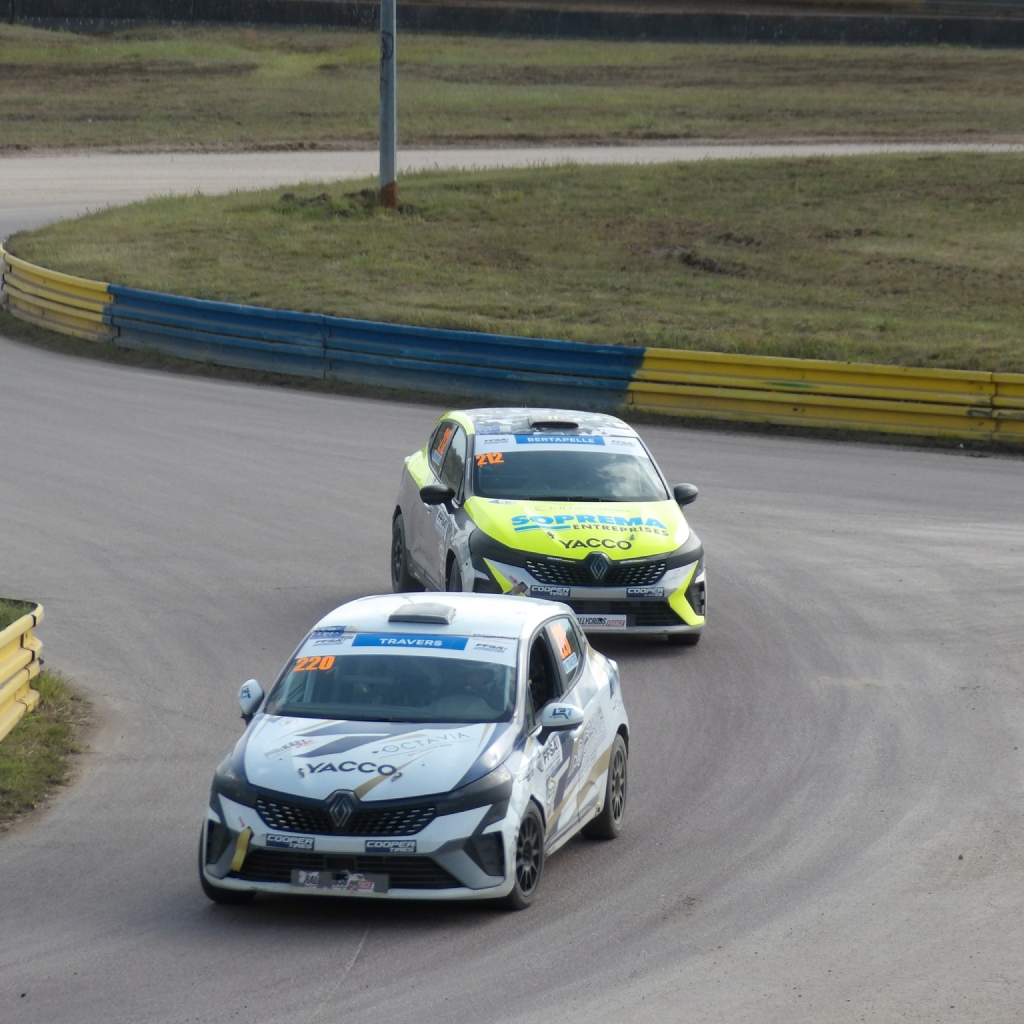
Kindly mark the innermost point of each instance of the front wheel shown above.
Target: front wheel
(453, 582)
(608, 824)
(529, 865)
(402, 580)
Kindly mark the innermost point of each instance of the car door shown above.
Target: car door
(591, 740)
(452, 474)
(553, 673)
(429, 522)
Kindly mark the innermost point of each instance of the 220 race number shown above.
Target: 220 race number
(312, 664)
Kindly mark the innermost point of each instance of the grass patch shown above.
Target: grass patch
(35, 756)
(11, 611)
(239, 88)
(911, 260)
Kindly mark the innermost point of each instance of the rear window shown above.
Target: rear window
(399, 677)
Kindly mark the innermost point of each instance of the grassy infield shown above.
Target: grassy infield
(34, 755)
(913, 260)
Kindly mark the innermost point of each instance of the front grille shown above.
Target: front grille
(312, 820)
(576, 574)
(638, 613)
(403, 872)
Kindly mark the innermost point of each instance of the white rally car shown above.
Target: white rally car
(420, 746)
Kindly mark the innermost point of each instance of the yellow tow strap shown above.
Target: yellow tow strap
(241, 849)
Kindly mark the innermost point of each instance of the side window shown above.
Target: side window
(439, 444)
(567, 646)
(454, 464)
(543, 681)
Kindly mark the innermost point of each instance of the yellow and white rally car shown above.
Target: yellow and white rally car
(551, 503)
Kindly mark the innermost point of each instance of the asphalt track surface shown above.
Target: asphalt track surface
(826, 802)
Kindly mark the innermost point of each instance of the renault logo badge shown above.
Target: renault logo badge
(340, 807)
(598, 564)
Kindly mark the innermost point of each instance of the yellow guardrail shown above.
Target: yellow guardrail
(20, 652)
(966, 404)
(59, 302)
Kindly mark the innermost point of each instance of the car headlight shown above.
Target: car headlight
(494, 788)
(483, 545)
(691, 551)
(229, 780)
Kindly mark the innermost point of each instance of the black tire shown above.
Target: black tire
(529, 863)
(453, 581)
(402, 580)
(217, 893)
(684, 639)
(608, 824)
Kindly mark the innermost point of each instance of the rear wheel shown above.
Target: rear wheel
(608, 824)
(529, 864)
(217, 893)
(402, 580)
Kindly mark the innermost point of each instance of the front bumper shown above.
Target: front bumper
(676, 602)
(452, 858)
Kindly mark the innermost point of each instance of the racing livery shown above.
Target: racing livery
(568, 506)
(417, 749)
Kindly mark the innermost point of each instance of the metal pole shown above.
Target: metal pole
(388, 107)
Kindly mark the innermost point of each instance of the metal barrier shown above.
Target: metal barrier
(60, 302)
(963, 404)
(809, 392)
(20, 659)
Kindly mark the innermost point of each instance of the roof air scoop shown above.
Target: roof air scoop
(540, 423)
(423, 611)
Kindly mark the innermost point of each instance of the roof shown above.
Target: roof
(474, 614)
(522, 420)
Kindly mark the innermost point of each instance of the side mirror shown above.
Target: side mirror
(684, 494)
(250, 696)
(436, 494)
(560, 716)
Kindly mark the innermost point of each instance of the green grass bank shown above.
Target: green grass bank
(248, 88)
(912, 260)
(36, 755)
(11, 611)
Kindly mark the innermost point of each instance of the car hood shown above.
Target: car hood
(376, 760)
(573, 529)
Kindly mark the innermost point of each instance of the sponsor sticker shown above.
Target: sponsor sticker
(587, 520)
(602, 621)
(543, 590)
(491, 646)
(570, 663)
(293, 745)
(411, 744)
(327, 631)
(645, 591)
(442, 522)
(448, 643)
(568, 440)
(390, 846)
(290, 842)
(366, 767)
(333, 641)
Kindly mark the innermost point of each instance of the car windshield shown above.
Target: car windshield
(565, 469)
(353, 685)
